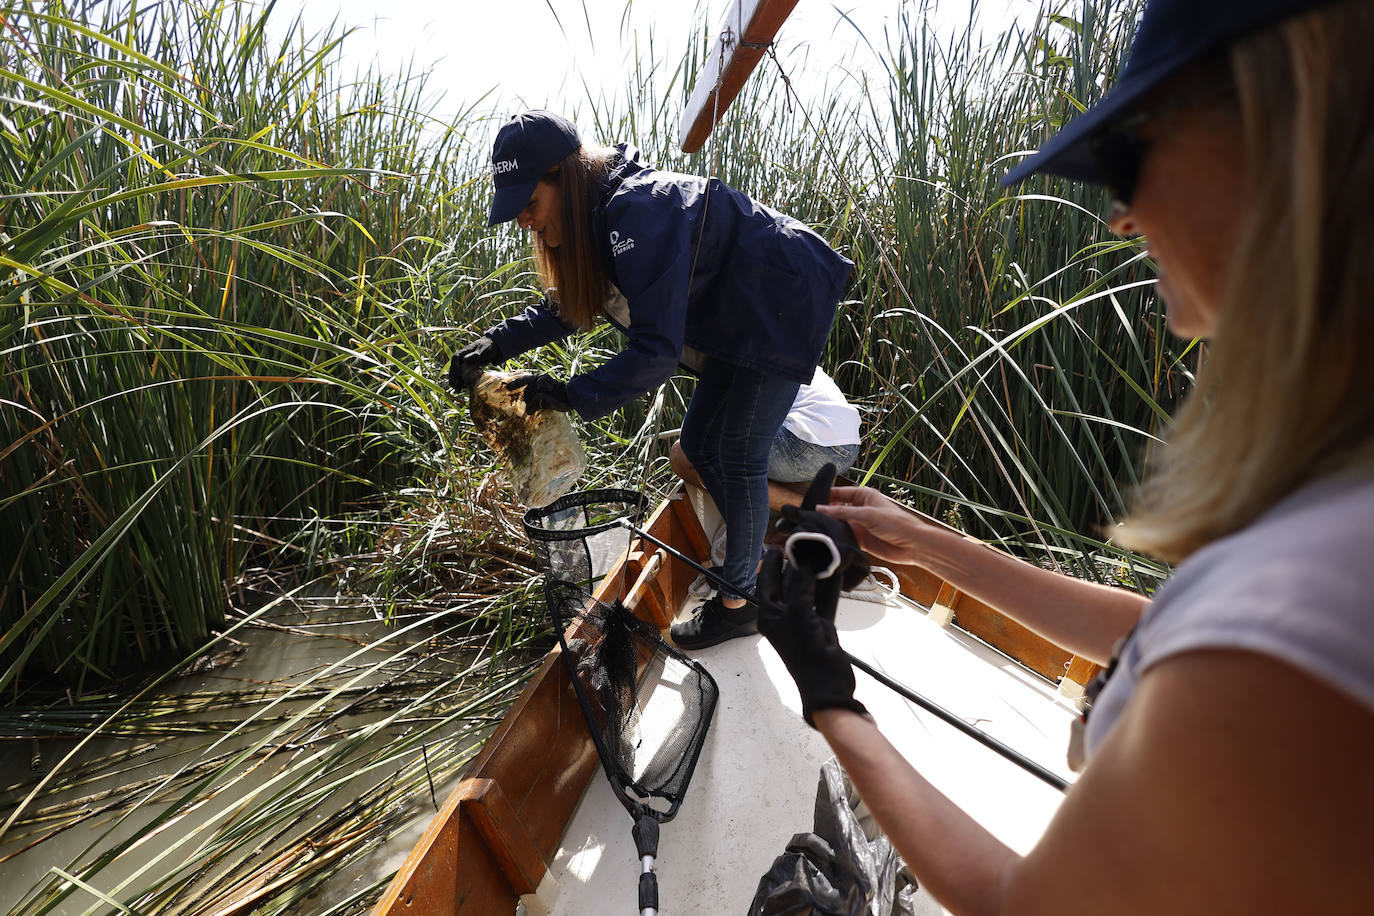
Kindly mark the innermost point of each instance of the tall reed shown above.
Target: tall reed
(223, 271)
(227, 291)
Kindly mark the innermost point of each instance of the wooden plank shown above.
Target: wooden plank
(505, 834)
(946, 604)
(918, 584)
(431, 882)
(1076, 679)
(1006, 635)
(749, 27)
(673, 522)
(685, 533)
(644, 598)
(543, 758)
(695, 543)
(1081, 671)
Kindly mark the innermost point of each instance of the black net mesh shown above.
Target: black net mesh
(647, 705)
(578, 537)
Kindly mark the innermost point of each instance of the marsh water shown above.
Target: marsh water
(309, 738)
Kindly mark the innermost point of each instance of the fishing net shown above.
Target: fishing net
(577, 538)
(647, 706)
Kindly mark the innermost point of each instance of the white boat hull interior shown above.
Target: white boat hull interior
(755, 784)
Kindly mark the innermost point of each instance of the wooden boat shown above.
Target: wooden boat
(532, 824)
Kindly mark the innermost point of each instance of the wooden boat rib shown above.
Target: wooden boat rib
(503, 835)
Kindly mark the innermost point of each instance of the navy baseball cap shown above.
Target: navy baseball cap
(526, 147)
(1171, 35)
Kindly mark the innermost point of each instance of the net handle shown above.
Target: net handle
(977, 734)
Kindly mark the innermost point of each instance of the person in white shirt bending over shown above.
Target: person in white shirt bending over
(821, 428)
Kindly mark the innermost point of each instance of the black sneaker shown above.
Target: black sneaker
(714, 623)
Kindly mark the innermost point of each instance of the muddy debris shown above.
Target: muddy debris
(542, 455)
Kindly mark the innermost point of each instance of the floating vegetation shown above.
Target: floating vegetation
(233, 787)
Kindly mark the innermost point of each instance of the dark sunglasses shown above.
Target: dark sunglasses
(1120, 154)
(1119, 149)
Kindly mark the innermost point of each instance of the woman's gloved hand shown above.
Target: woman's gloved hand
(852, 567)
(542, 392)
(469, 362)
(803, 634)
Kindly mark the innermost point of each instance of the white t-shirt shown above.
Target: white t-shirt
(820, 414)
(1296, 585)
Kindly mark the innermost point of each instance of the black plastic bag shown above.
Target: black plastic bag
(845, 867)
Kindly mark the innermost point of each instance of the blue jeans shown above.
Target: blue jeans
(727, 434)
(794, 460)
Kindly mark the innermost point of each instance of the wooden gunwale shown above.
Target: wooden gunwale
(992, 627)
(492, 841)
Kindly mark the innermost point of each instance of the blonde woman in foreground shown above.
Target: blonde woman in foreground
(1228, 756)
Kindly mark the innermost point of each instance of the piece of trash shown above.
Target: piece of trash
(541, 452)
(845, 867)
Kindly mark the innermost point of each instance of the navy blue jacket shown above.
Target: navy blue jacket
(761, 293)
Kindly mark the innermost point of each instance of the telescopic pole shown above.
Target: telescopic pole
(977, 734)
(645, 833)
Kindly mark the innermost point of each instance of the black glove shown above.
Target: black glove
(469, 362)
(804, 636)
(542, 392)
(816, 556)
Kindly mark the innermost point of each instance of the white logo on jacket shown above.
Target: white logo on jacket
(620, 246)
(505, 165)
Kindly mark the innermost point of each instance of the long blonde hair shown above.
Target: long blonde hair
(574, 272)
(1287, 390)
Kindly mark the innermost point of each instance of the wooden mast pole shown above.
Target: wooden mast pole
(749, 28)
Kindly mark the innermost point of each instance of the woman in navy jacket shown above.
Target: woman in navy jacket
(694, 273)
